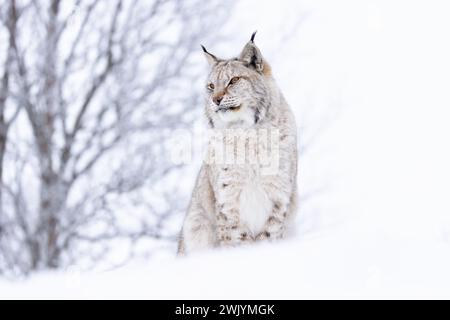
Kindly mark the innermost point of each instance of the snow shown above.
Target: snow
(338, 264)
(368, 82)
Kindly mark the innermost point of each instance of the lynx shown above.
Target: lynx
(241, 202)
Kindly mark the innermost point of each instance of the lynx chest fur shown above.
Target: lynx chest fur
(254, 206)
(247, 163)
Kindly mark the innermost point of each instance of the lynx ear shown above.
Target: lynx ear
(212, 59)
(253, 58)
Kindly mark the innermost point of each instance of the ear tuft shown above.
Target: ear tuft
(252, 39)
(212, 59)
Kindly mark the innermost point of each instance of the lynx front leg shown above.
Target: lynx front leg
(282, 192)
(229, 230)
(275, 226)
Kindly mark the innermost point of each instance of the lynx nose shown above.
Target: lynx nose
(218, 99)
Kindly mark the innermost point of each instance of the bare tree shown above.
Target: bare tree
(8, 112)
(102, 84)
(8, 18)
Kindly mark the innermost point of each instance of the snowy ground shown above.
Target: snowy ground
(339, 264)
(373, 79)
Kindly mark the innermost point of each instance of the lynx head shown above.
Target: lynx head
(237, 89)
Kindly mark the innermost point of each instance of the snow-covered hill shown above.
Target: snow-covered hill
(338, 264)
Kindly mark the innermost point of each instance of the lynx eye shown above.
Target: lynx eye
(234, 80)
(210, 86)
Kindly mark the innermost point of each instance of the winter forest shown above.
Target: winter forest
(91, 90)
(98, 97)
